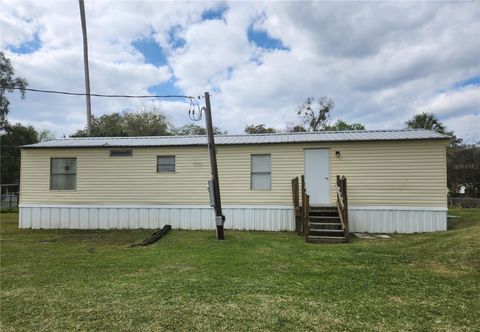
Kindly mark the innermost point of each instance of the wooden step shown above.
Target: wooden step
(328, 208)
(327, 239)
(325, 217)
(323, 211)
(326, 230)
(314, 223)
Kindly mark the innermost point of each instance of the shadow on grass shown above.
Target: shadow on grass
(462, 218)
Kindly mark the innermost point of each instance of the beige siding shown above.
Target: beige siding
(379, 173)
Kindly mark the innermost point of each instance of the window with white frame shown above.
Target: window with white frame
(165, 164)
(261, 172)
(63, 173)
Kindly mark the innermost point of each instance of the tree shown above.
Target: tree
(315, 113)
(45, 135)
(105, 126)
(146, 121)
(463, 168)
(193, 129)
(427, 121)
(11, 139)
(259, 129)
(341, 125)
(430, 121)
(293, 128)
(8, 83)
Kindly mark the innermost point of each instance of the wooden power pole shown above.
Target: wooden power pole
(85, 64)
(214, 184)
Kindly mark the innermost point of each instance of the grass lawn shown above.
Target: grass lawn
(91, 280)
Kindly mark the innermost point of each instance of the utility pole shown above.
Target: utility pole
(215, 184)
(85, 64)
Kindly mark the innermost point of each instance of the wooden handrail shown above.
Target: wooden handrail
(342, 202)
(295, 192)
(305, 209)
(304, 189)
(340, 208)
(297, 207)
(306, 215)
(340, 199)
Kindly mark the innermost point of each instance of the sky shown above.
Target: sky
(381, 62)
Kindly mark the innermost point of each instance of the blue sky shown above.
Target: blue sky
(263, 40)
(215, 13)
(27, 47)
(381, 64)
(152, 52)
(471, 81)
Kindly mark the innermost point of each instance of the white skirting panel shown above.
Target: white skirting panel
(396, 219)
(372, 219)
(263, 218)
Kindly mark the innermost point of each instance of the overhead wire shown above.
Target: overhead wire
(195, 111)
(99, 94)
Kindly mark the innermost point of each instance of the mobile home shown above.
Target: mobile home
(396, 180)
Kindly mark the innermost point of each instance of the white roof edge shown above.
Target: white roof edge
(239, 139)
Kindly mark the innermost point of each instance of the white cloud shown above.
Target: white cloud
(465, 126)
(212, 48)
(454, 103)
(458, 109)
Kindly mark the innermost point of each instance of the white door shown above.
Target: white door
(317, 175)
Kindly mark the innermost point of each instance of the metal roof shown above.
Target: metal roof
(308, 137)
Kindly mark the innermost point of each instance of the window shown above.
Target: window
(261, 176)
(121, 153)
(63, 173)
(165, 164)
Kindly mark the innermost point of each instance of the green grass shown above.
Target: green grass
(91, 280)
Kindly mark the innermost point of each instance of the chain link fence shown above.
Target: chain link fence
(9, 196)
(464, 202)
(9, 201)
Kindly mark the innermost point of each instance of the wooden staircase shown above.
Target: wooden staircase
(326, 224)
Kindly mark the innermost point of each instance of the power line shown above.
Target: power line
(195, 107)
(194, 111)
(102, 95)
